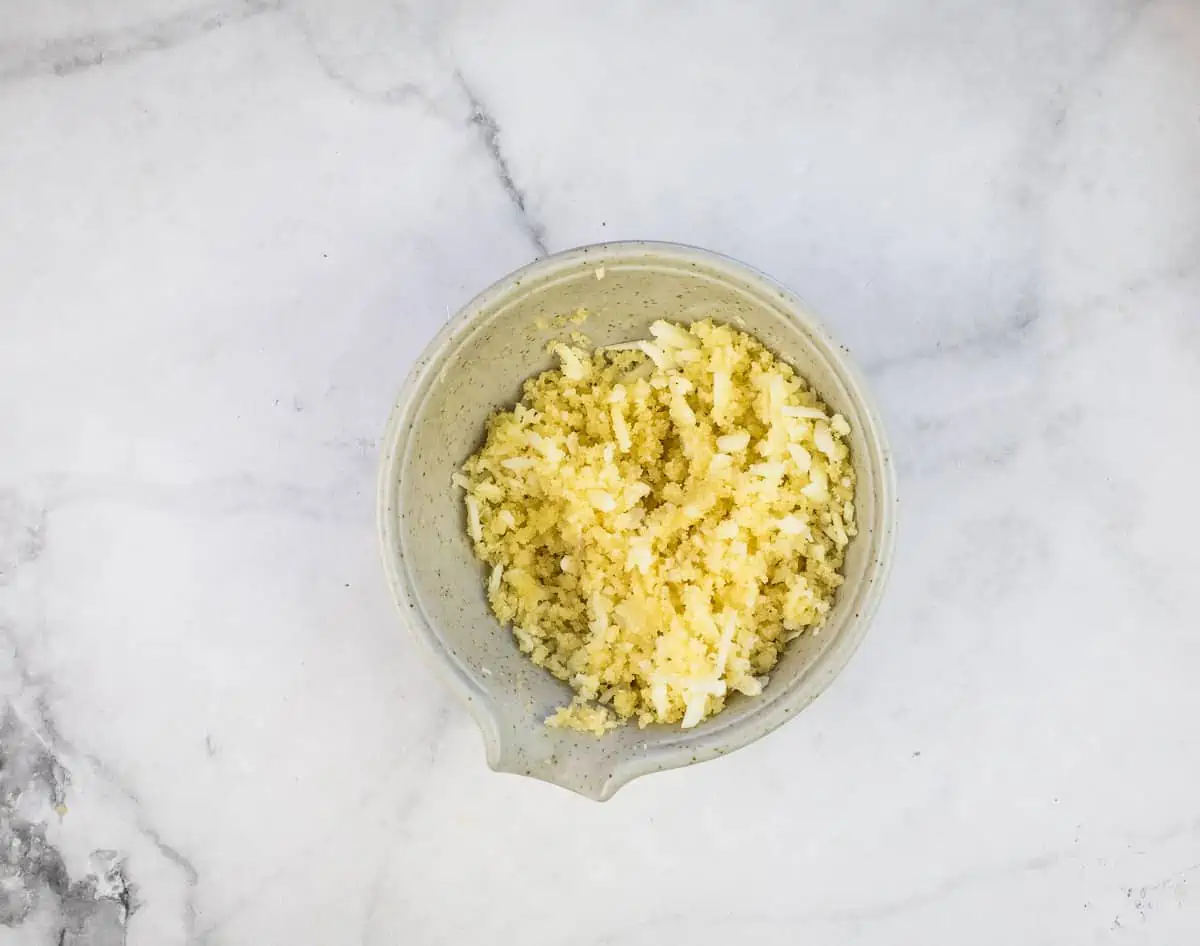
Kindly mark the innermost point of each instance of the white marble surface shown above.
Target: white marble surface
(228, 227)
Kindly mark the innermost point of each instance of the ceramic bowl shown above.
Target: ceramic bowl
(477, 364)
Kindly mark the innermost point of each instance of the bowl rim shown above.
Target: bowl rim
(692, 746)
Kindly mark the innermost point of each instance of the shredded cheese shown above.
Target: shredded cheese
(660, 518)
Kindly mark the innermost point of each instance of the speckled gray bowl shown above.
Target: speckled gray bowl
(477, 364)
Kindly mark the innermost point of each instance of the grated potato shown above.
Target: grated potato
(660, 518)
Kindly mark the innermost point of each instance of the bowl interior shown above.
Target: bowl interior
(476, 366)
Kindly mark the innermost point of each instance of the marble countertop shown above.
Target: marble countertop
(228, 228)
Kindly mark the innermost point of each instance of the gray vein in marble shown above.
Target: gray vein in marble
(400, 807)
(22, 534)
(375, 895)
(216, 496)
(27, 861)
(376, 891)
(399, 93)
(92, 911)
(1048, 130)
(1114, 298)
(489, 133)
(65, 55)
(994, 341)
(1030, 865)
(1097, 61)
(190, 874)
(97, 909)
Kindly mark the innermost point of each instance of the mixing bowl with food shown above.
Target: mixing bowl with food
(635, 504)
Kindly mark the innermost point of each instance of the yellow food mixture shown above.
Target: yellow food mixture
(660, 518)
